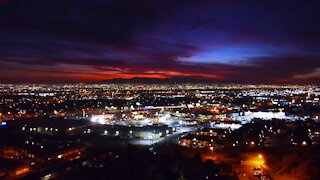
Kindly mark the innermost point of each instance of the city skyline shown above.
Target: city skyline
(80, 41)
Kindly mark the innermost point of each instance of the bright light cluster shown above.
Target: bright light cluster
(98, 120)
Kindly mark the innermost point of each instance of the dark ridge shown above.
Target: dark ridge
(173, 80)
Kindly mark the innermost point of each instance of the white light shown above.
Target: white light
(101, 121)
(94, 119)
(304, 143)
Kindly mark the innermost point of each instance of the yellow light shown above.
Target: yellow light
(22, 171)
(260, 156)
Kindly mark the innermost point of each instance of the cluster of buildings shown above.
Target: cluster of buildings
(57, 123)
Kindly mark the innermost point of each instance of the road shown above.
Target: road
(168, 140)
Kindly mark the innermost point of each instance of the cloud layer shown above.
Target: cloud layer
(72, 41)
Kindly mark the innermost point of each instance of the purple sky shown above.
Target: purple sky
(240, 41)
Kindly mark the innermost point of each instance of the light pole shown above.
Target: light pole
(180, 123)
(211, 149)
(260, 157)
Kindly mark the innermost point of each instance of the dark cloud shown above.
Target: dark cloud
(274, 69)
(51, 62)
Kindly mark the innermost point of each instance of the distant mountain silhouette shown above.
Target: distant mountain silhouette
(173, 80)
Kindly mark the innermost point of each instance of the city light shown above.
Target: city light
(99, 120)
(304, 143)
(211, 126)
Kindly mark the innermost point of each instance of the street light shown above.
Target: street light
(304, 143)
(261, 160)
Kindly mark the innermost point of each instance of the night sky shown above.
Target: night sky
(53, 41)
